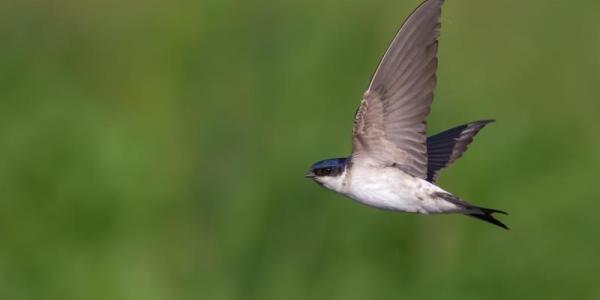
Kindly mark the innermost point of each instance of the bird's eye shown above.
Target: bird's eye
(323, 171)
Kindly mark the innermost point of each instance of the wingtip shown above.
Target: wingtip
(478, 125)
(485, 121)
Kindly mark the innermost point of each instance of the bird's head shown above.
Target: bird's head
(329, 172)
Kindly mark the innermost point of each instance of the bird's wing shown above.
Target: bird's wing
(389, 126)
(446, 147)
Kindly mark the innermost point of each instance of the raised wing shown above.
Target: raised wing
(447, 146)
(389, 125)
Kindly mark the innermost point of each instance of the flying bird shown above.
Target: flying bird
(394, 165)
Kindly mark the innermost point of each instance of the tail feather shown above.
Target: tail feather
(485, 214)
(477, 212)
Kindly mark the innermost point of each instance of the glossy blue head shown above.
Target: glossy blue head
(329, 167)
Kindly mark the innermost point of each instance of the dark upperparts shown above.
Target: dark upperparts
(330, 163)
(328, 167)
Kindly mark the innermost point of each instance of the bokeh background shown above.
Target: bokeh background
(156, 150)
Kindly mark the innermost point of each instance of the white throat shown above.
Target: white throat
(334, 183)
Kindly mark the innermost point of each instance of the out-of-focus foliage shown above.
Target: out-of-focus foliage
(156, 150)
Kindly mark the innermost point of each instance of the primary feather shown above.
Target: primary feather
(447, 146)
(389, 125)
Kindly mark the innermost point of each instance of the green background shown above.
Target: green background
(156, 150)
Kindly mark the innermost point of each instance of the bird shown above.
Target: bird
(394, 165)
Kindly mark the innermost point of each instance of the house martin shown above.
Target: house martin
(394, 165)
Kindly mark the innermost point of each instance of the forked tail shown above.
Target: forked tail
(468, 209)
(485, 214)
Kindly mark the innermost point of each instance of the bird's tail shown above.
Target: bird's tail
(485, 214)
(477, 212)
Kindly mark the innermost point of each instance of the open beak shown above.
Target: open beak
(310, 174)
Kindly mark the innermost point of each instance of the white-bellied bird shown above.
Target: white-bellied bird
(394, 164)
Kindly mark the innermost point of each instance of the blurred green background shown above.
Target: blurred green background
(156, 150)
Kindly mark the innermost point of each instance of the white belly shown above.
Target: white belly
(392, 189)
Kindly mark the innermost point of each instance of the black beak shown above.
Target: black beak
(310, 174)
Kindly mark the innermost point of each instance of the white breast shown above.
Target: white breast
(392, 189)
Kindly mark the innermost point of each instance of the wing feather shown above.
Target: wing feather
(446, 147)
(389, 126)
